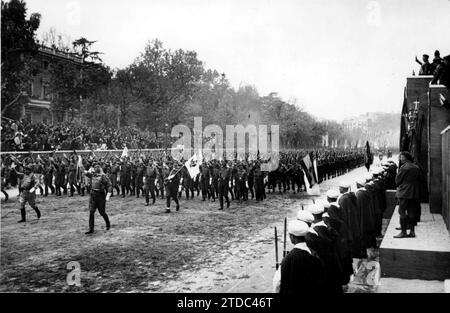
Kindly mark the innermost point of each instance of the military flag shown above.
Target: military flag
(193, 165)
(368, 158)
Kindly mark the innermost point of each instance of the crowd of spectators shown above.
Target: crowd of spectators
(26, 136)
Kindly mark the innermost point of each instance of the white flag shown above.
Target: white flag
(193, 165)
(124, 152)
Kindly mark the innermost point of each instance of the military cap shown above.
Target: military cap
(305, 216)
(361, 181)
(344, 184)
(297, 228)
(316, 208)
(333, 193)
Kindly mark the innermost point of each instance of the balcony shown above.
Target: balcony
(61, 54)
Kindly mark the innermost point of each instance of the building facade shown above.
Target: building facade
(39, 108)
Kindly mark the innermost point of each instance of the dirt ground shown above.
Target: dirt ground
(144, 250)
(197, 249)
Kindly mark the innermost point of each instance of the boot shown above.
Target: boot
(23, 215)
(38, 213)
(403, 230)
(412, 233)
(178, 207)
(90, 231)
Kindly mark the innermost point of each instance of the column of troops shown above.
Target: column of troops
(330, 233)
(157, 175)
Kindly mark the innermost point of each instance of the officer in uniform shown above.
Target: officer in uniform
(100, 194)
(27, 192)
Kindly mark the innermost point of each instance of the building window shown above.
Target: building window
(46, 95)
(30, 89)
(45, 65)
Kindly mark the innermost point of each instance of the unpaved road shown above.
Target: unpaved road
(198, 249)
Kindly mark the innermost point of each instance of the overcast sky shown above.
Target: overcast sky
(338, 58)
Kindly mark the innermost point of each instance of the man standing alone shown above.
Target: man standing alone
(408, 194)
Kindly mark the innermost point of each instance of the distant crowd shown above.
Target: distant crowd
(27, 136)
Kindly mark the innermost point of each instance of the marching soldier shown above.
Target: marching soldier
(188, 183)
(132, 181)
(150, 178)
(38, 173)
(138, 180)
(215, 180)
(72, 177)
(172, 182)
(60, 177)
(163, 174)
(204, 181)
(223, 181)
(27, 191)
(4, 179)
(113, 177)
(125, 176)
(258, 178)
(100, 194)
(251, 180)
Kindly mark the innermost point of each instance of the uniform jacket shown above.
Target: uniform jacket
(408, 181)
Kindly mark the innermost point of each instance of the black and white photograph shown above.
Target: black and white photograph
(225, 147)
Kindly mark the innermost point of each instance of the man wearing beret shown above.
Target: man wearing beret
(301, 270)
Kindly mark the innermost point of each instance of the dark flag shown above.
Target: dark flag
(368, 157)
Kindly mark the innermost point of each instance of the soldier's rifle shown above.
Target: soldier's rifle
(284, 237)
(276, 249)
